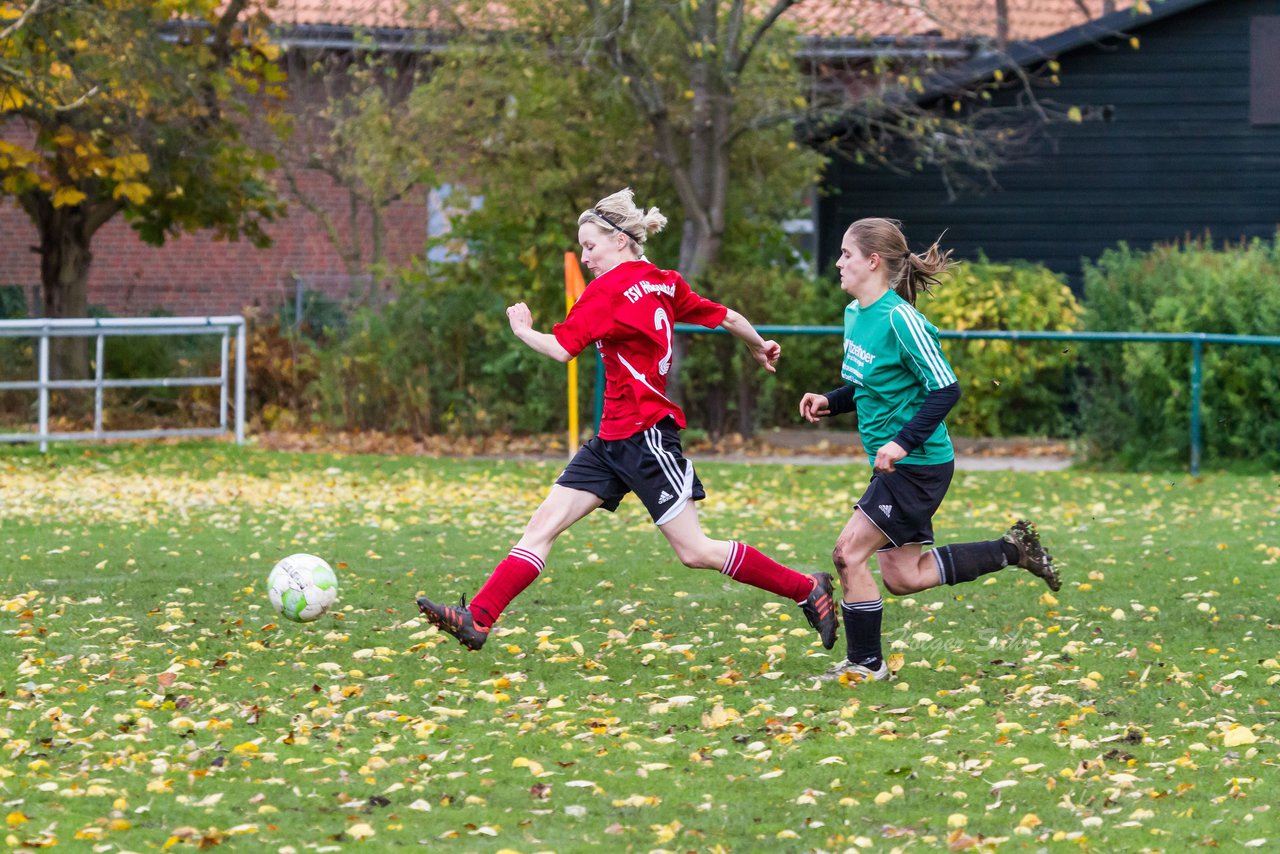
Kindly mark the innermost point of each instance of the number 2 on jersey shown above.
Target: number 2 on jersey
(660, 320)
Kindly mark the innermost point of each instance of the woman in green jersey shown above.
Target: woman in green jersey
(902, 387)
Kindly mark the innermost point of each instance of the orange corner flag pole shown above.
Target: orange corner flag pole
(574, 285)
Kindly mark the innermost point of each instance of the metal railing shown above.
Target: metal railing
(45, 329)
(1197, 340)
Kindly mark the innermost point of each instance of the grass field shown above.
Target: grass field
(152, 700)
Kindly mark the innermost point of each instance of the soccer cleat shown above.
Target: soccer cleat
(819, 609)
(458, 621)
(848, 673)
(1031, 555)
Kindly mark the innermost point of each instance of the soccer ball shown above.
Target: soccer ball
(302, 587)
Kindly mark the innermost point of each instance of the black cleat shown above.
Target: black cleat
(1031, 555)
(819, 609)
(454, 621)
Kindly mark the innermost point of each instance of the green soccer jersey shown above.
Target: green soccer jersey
(891, 355)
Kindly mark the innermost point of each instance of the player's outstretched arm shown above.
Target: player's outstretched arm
(764, 352)
(521, 320)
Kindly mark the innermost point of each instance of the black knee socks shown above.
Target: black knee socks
(862, 631)
(966, 561)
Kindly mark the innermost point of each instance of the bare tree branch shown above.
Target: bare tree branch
(321, 213)
(733, 29)
(771, 17)
(638, 74)
(100, 213)
(31, 10)
(221, 42)
(678, 22)
(78, 102)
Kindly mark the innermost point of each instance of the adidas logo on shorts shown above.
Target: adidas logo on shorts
(886, 509)
(665, 497)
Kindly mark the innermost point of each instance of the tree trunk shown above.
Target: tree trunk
(703, 187)
(704, 193)
(377, 253)
(65, 234)
(64, 283)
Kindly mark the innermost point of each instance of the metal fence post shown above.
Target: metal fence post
(242, 349)
(225, 375)
(1197, 353)
(98, 374)
(43, 395)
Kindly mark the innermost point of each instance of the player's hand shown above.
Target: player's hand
(519, 317)
(767, 355)
(814, 406)
(888, 455)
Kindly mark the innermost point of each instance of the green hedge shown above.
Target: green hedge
(724, 390)
(441, 359)
(1137, 407)
(1023, 388)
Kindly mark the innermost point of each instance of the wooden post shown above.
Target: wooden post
(573, 288)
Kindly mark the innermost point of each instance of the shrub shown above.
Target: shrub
(724, 389)
(1008, 387)
(441, 358)
(280, 369)
(323, 316)
(1137, 409)
(13, 302)
(377, 376)
(17, 360)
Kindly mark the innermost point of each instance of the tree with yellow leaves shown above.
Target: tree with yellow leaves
(130, 107)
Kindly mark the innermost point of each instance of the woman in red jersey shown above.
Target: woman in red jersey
(629, 312)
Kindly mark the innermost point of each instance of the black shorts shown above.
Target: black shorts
(651, 464)
(901, 503)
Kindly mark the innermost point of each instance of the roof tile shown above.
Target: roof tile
(1028, 19)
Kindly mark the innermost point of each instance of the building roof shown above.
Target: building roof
(343, 13)
(957, 19)
(1058, 43)
(982, 66)
(1028, 19)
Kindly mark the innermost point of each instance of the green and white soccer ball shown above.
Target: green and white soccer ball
(302, 587)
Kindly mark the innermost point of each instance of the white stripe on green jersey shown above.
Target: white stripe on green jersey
(923, 344)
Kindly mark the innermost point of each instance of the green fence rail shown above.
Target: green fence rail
(1197, 340)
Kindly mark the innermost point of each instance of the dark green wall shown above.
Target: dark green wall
(1178, 157)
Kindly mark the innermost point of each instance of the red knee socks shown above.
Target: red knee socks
(749, 566)
(510, 577)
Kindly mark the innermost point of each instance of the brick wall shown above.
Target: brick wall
(197, 275)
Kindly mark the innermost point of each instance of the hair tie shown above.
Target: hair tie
(599, 214)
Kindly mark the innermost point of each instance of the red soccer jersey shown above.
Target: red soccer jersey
(630, 313)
